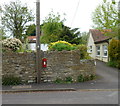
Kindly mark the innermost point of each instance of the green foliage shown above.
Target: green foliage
(58, 80)
(84, 37)
(10, 80)
(106, 16)
(92, 76)
(81, 78)
(113, 49)
(68, 79)
(112, 63)
(23, 50)
(61, 45)
(31, 30)
(51, 26)
(69, 35)
(15, 17)
(83, 51)
(114, 53)
(54, 29)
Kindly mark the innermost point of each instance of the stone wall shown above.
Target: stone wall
(59, 65)
(66, 64)
(20, 65)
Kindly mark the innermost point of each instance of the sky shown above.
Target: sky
(78, 12)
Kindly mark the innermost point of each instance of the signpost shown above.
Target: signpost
(38, 45)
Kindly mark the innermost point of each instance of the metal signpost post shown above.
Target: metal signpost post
(38, 45)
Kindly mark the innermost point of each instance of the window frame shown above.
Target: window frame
(98, 50)
(105, 50)
(91, 49)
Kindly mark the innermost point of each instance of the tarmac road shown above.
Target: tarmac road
(71, 97)
(103, 90)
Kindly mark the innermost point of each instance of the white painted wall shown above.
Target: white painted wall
(102, 57)
(91, 43)
(93, 54)
(32, 46)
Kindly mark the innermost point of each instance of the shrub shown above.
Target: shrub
(10, 80)
(83, 51)
(61, 45)
(81, 78)
(92, 76)
(68, 79)
(12, 44)
(113, 48)
(58, 80)
(114, 53)
(112, 63)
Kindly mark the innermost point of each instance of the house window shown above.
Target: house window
(98, 50)
(90, 49)
(105, 50)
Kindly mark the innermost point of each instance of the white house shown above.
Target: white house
(98, 45)
(32, 44)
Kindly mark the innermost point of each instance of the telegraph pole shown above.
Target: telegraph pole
(38, 45)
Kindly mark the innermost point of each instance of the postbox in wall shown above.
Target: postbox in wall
(44, 62)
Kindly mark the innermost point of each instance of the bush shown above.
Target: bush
(68, 80)
(58, 80)
(83, 51)
(113, 49)
(12, 44)
(92, 76)
(10, 80)
(114, 53)
(81, 78)
(112, 63)
(61, 45)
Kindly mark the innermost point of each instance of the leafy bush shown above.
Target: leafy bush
(114, 53)
(112, 63)
(68, 79)
(12, 44)
(10, 80)
(92, 76)
(58, 80)
(81, 78)
(61, 45)
(83, 51)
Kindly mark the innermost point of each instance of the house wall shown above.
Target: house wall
(93, 54)
(59, 65)
(102, 57)
(91, 43)
(32, 46)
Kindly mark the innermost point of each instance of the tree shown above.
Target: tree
(54, 29)
(15, 17)
(105, 16)
(51, 26)
(31, 30)
(69, 35)
(84, 37)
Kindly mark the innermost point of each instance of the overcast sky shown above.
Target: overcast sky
(82, 18)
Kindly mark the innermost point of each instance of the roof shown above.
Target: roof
(32, 39)
(99, 36)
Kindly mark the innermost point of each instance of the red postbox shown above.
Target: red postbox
(44, 62)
